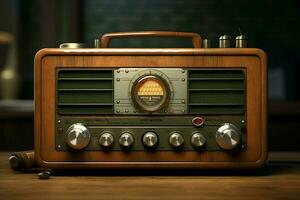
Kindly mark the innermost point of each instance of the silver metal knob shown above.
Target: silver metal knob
(126, 140)
(106, 139)
(71, 45)
(228, 136)
(14, 162)
(97, 43)
(198, 139)
(78, 136)
(224, 41)
(206, 43)
(241, 41)
(176, 140)
(150, 139)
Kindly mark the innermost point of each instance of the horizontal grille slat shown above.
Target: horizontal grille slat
(217, 109)
(215, 73)
(216, 91)
(84, 97)
(215, 79)
(86, 84)
(83, 90)
(91, 110)
(217, 96)
(85, 104)
(214, 85)
(84, 74)
(84, 79)
(216, 104)
(229, 89)
(87, 91)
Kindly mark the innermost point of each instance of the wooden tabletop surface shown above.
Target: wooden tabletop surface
(280, 179)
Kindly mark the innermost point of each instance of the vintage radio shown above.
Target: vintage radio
(151, 107)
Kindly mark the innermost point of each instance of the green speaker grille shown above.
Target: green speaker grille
(85, 91)
(216, 91)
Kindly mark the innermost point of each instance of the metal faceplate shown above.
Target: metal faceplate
(124, 79)
(162, 126)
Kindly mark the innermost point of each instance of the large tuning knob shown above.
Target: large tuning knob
(78, 136)
(228, 136)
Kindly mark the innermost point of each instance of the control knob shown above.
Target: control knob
(78, 136)
(126, 140)
(150, 139)
(228, 136)
(106, 139)
(176, 140)
(198, 139)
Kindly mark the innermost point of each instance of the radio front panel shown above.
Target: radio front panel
(203, 93)
(186, 108)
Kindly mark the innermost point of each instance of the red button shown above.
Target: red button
(197, 121)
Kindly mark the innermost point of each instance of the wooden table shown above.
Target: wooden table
(280, 179)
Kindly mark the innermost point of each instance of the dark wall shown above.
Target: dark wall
(44, 24)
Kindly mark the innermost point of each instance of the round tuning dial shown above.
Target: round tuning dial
(176, 140)
(198, 139)
(78, 136)
(150, 93)
(106, 139)
(150, 139)
(126, 140)
(228, 136)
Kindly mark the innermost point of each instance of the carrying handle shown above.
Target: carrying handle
(196, 39)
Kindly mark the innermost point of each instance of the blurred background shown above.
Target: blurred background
(27, 26)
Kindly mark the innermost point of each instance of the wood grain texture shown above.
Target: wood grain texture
(254, 61)
(280, 180)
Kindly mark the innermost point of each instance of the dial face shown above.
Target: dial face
(150, 93)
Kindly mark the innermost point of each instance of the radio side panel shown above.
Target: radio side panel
(251, 61)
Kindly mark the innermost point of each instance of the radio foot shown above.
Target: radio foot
(44, 174)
